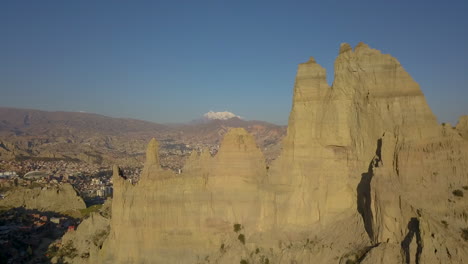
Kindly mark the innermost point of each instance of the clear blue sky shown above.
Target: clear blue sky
(172, 61)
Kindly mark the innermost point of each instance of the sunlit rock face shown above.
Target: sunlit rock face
(366, 174)
(462, 126)
(59, 199)
(168, 218)
(333, 131)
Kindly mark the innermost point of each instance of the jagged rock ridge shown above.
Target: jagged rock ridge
(366, 175)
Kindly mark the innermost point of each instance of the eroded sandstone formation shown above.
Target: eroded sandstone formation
(61, 198)
(86, 240)
(462, 126)
(366, 175)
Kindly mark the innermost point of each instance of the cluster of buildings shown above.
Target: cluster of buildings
(88, 179)
(59, 169)
(101, 187)
(173, 155)
(8, 175)
(26, 234)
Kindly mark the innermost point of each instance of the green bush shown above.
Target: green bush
(458, 193)
(87, 212)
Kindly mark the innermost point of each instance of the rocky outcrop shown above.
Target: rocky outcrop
(61, 198)
(168, 218)
(333, 131)
(369, 142)
(366, 175)
(416, 200)
(86, 241)
(462, 126)
(8, 150)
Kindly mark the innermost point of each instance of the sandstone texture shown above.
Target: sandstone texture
(462, 126)
(168, 218)
(366, 175)
(58, 199)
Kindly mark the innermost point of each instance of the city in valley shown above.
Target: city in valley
(33, 162)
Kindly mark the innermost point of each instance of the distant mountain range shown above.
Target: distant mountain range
(36, 134)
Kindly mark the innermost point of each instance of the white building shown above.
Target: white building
(8, 175)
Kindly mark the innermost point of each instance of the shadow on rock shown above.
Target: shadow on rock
(25, 235)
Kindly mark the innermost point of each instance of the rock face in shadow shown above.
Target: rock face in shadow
(366, 175)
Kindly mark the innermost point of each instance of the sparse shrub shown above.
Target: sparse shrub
(67, 250)
(444, 223)
(237, 227)
(52, 251)
(354, 257)
(241, 238)
(243, 261)
(465, 187)
(99, 238)
(265, 260)
(458, 193)
(464, 234)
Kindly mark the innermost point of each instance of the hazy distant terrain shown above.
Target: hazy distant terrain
(99, 139)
